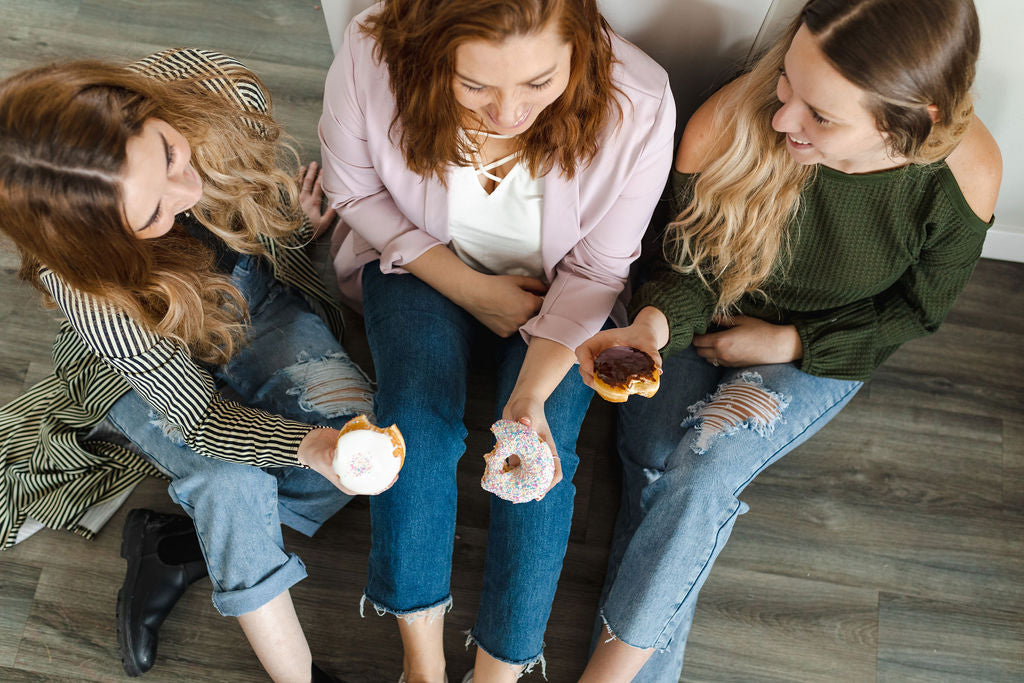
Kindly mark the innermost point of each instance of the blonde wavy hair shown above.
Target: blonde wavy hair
(733, 231)
(63, 134)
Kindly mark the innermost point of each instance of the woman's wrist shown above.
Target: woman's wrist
(526, 394)
(653, 324)
(440, 268)
(789, 343)
(467, 285)
(317, 442)
(546, 363)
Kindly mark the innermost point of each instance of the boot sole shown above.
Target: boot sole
(133, 527)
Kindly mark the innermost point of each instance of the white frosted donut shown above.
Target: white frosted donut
(531, 477)
(367, 458)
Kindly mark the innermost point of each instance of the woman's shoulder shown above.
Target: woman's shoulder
(977, 167)
(360, 44)
(356, 68)
(635, 71)
(701, 131)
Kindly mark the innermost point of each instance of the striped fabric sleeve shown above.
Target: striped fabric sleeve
(214, 72)
(181, 393)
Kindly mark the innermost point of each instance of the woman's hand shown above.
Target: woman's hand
(529, 411)
(502, 302)
(311, 199)
(316, 451)
(648, 333)
(749, 341)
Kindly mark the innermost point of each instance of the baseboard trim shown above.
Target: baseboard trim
(1004, 243)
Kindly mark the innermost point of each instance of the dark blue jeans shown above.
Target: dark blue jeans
(421, 344)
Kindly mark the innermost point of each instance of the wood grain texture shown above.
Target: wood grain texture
(17, 590)
(889, 547)
(929, 639)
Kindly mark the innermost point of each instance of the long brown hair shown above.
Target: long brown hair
(417, 40)
(906, 55)
(63, 135)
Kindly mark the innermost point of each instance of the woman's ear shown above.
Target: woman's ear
(933, 113)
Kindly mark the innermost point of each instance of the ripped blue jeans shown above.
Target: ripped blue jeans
(687, 453)
(293, 366)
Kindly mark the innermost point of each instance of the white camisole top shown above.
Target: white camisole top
(497, 233)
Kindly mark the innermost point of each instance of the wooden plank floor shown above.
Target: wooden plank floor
(890, 547)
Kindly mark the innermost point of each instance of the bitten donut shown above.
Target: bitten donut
(367, 458)
(531, 477)
(622, 370)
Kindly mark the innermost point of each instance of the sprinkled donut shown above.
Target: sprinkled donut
(536, 469)
(367, 458)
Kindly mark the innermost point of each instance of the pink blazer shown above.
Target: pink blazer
(591, 225)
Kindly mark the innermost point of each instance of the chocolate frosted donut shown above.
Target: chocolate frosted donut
(622, 370)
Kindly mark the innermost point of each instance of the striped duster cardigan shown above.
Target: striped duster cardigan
(49, 471)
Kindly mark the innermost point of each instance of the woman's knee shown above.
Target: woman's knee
(698, 483)
(218, 488)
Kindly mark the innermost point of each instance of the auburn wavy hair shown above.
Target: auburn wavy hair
(734, 230)
(417, 40)
(63, 135)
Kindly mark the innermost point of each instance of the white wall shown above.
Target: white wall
(337, 14)
(1000, 104)
(701, 43)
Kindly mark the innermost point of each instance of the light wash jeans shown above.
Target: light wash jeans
(687, 453)
(421, 344)
(238, 509)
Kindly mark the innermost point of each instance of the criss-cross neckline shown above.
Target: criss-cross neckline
(483, 169)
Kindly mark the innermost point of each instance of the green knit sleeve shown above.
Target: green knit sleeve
(684, 299)
(849, 342)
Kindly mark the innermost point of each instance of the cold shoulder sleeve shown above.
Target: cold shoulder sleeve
(851, 341)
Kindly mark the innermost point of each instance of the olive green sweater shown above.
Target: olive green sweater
(877, 259)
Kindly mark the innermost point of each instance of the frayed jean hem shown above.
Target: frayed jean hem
(526, 664)
(434, 611)
(613, 635)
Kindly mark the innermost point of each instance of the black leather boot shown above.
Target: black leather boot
(163, 560)
(320, 676)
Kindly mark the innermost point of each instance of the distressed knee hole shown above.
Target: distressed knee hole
(743, 402)
(171, 431)
(331, 386)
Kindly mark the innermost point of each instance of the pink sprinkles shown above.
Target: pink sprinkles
(535, 472)
(359, 464)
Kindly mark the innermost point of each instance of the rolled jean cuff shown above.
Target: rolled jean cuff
(381, 610)
(527, 664)
(237, 602)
